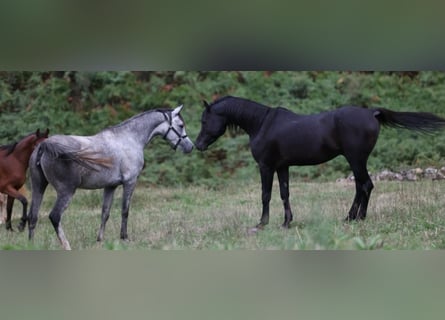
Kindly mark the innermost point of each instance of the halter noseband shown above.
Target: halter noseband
(171, 128)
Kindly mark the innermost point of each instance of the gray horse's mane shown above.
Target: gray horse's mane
(142, 114)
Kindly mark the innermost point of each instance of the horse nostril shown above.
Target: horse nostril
(187, 150)
(200, 148)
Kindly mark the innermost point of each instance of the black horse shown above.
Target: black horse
(280, 138)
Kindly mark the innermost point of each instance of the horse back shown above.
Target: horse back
(292, 139)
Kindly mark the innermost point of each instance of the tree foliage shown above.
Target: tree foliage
(85, 102)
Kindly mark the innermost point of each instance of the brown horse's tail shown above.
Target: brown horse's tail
(83, 158)
(420, 121)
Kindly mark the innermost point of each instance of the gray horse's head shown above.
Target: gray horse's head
(175, 132)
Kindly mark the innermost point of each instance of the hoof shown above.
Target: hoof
(285, 226)
(359, 218)
(260, 226)
(21, 227)
(255, 229)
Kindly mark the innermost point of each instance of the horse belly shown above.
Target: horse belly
(62, 175)
(310, 156)
(308, 149)
(98, 181)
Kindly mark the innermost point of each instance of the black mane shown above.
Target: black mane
(239, 108)
(9, 148)
(221, 100)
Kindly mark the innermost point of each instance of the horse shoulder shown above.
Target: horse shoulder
(129, 157)
(266, 139)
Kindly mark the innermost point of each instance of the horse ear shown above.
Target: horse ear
(206, 105)
(38, 132)
(46, 132)
(177, 110)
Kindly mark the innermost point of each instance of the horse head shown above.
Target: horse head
(176, 133)
(213, 126)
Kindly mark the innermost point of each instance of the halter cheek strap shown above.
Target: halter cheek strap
(171, 128)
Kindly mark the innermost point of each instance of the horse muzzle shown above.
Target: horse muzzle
(201, 147)
(185, 145)
(202, 144)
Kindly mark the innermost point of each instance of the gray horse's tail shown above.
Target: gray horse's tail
(420, 121)
(83, 158)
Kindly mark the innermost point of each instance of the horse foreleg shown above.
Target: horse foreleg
(14, 194)
(126, 197)
(266, 186)
(107, 201)
(283, 178)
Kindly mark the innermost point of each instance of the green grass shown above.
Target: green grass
(400, 216)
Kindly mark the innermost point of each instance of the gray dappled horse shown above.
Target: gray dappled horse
(112, 157)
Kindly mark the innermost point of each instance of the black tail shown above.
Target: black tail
(420, 121)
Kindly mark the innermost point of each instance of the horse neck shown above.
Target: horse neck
(22, 151)
(141, 128)
(248, 115)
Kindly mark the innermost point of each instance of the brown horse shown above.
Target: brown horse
(14, 160)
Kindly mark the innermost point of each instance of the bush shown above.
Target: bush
(85, 102)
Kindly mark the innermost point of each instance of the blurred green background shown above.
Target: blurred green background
(83, 103)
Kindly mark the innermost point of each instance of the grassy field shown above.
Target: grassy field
(401, 215)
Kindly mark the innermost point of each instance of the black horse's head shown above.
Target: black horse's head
(213, 126)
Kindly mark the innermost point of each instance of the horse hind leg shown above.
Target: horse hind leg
(363, 187)
(107, 201)
(38, 185)
(366, 189)
(55, 216)
(36, 200)
(24, 218)
(352, 215)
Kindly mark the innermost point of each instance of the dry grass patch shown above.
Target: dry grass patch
(401, 215)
